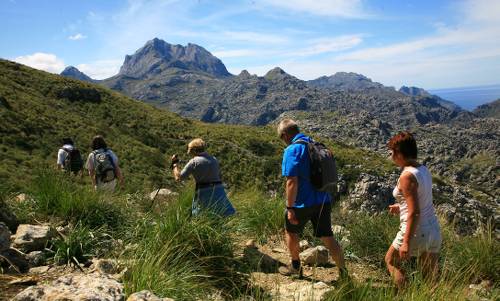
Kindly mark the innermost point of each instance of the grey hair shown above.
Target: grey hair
(288, 126)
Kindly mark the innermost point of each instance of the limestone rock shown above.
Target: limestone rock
(15, 260)
(36, 258)
(301, 290)
(371, 194)
(251, 243)
(105, 266)
(315, 256)
(146, 296)
(304, 244)
(75, 287)
(161, 193)
(39, 270)
(32, 237)
(4, 237)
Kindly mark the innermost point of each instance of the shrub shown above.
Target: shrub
(55, 194)
(258, 215)
(77, 247)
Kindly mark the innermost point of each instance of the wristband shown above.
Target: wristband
(289, 208)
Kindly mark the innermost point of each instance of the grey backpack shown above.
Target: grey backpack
(324, 175)
(104, 166)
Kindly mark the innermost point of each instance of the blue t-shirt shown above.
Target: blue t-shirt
(296, 164)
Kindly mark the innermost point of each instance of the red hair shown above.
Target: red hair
(405, 144)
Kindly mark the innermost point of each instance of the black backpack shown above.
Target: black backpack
(324, 175)
(104, 166)
(73, 161)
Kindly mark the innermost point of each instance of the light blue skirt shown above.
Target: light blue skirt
(213, 198)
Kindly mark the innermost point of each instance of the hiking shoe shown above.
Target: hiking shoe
(289, 270)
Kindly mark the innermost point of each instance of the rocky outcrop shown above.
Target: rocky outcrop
(75, 287)
(32, 237)
(371, 194)
(157, 56)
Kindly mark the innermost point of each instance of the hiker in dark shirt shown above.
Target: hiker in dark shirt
(69, 158)
(210, 193)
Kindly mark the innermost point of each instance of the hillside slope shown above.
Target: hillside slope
(37, 109)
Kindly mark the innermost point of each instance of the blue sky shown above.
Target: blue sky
(431, 44)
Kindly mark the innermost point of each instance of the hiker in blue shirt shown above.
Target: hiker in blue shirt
(303, 202)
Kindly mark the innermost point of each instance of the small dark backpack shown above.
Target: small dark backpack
(324, 175)
(73, 161)
(104, 166)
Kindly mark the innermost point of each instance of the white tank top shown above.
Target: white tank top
(424, 196)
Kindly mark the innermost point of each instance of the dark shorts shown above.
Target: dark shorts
(320, 217)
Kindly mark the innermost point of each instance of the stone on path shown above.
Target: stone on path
(32, 237)
(75, 287)
(301, 291)
(315, 256)
(304, 244)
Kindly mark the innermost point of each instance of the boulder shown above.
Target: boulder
(32, 237)
(8, 217)
(105, 266)
(161, 193)
(304, 244)
(146, 296)
(94, 287)
(4, 237)
(36, 258)
(315, 256)
(371, 194)
(14, 260)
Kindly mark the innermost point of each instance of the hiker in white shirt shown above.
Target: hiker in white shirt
(419, 233)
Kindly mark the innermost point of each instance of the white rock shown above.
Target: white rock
(146, 296)
(39, 270)
(32, 237)
(315, 256)
(301, 290)
(36, 258)
(161, 193)
(304, 244)
(75, 287)
(21, 197)
(105, 266)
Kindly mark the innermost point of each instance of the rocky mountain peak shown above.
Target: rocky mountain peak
(73, 72)
(244, 74)
(277, 73)
(414, 91)
(347, 81)
(157, 55)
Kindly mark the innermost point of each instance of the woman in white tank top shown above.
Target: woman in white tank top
(419, 234)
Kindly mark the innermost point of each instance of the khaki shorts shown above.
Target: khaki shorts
(427, 238)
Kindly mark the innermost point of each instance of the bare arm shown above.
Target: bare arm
(408, 186)
(177, 172)
(292, 185)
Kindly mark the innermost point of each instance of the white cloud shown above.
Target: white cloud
(236, 53)
(329, 8)
(101, 69)
(43, 61)
(253, 37)
(326, 45)
(77, 37)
